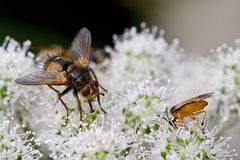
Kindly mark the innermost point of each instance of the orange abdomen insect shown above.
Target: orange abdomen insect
(189, 109)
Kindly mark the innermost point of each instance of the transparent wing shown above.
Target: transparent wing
(194, 99)
(203, 96)
(81, 47)
(194, 106)
(42, 78)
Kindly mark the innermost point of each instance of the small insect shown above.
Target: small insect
(189, 108)
(74, 73)
(43, 50)
(97, 55)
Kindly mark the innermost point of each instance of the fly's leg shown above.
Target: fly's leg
(79, 107)
(65, 91)
(102, 94)
(102, 87)
(63, 103)
(193, 118)
(98, 99)
(91, 108)
(179, 122)
(203, 121)
(95, 77)
(204, 116)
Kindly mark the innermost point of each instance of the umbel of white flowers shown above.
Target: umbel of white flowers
(131, 128)
(16, 145)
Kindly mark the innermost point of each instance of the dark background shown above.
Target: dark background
(56, 22)
(200, 25)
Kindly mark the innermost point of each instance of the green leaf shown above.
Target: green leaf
(156, 126)
(101, 155)
(147, 130)
(147, 101)
(180, 140)
(3, 92)
(19, 157)
(164, 154)
(140, 96)
(237, 79)
(168, 146)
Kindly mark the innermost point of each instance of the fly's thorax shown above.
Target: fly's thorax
(90, 91)
(80, 77)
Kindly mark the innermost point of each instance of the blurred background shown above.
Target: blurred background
(56, 22)
(200, 25)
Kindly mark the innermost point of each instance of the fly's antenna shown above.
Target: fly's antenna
(168, 120)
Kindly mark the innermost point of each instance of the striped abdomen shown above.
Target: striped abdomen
(90, 91)
(55, 63)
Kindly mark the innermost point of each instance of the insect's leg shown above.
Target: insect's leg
(79, 107)
(180, 130)
(53, 89)
(103, 88)
(95, 77)
(204, 116)
(203, 121)
(91, 108)
(102, 94)
(179, 122)
(63, 103)
(171, 122)
(193, 118)
(98, 99)
(168, 120)
(64, 92)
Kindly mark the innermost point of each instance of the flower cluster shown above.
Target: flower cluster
(141, 82)
(22, 102)
(132, 130)
(188, 145)
(95, 142)
(138, 55)
(228, 89)
(15, 61)
(16, 145)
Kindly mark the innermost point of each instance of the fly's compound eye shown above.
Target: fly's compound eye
(172, 109)
(86, 91)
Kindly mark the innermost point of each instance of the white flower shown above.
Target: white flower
(167, 143)
(138, 80)
(24, 102)
(96, 142)
(137, 108)
(138, 55)
(194, 76)
(15, 61)
(16, 145)
(227, 95)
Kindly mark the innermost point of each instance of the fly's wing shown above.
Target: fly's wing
(81, 46)
(192, 100)
(203, 96)
(43, 78)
